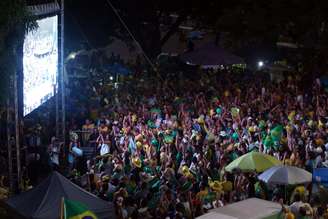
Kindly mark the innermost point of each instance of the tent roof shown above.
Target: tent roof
(43, 201)
(241, 210)
(280, 68)
(211, 55)
(214, 215)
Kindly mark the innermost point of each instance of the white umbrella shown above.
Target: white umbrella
(285, 175)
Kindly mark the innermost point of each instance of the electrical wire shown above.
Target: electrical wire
(131, 35)
(81, 31)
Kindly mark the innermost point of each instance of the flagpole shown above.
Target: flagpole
(62, 208)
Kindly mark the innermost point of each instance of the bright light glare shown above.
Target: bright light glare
(260, 64)
(72, 55)
(40, 62)
(111, 78)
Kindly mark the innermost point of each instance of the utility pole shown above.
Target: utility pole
(13, 136)
(62, 72)
(60, 94)
(17, 132)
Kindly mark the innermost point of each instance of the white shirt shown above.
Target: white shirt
(295, 208)
(104, 149)
(55, 154)
(318, 161)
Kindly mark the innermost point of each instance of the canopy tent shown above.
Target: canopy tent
(252, 208)
(44, 201)
(277, 67)
(210, 55)
(277, 70)
(215, 215)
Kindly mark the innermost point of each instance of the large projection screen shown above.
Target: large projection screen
(40, 63)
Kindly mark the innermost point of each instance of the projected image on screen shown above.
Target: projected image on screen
(40, 63)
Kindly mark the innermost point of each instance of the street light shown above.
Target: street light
(260, 64)
(71, 56)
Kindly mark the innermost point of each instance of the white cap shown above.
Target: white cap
(223, 133)
(318, 150)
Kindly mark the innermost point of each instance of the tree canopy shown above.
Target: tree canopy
(252, 23)
(14, 21)
(246, 23)
(148, 21)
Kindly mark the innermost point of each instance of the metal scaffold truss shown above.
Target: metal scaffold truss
(60, 94)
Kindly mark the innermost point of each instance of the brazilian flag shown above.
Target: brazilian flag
(276, 133)
(77, 210)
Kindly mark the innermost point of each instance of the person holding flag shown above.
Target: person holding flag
(75, 210)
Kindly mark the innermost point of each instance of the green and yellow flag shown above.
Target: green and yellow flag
(276, 133)
(77, 210)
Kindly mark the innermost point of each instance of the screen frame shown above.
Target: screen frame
(58, 20)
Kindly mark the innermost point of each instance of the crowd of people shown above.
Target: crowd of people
(162, 145)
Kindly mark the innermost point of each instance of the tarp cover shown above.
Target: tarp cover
(211, 55)
(252, 208)
(43, 201)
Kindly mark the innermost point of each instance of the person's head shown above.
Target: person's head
(119, 201)
(55, 141)
(297, 197)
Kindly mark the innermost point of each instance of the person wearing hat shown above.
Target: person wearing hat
(186, 172)
(216, 186)
(294, 208)
(105, 178)
(136, 161)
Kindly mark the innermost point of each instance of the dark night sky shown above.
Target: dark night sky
(85, 20)
(88, 22)
(93, 22)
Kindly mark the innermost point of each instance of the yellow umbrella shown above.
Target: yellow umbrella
(253, 161)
